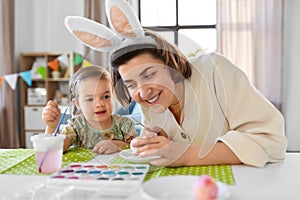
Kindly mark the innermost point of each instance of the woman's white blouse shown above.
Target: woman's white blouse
(222, 105)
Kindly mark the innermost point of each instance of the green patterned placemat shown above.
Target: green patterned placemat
(22, 161)
(10, 158)
(222, 173)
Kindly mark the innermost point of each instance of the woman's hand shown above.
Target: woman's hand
(169, 151)
(51, 116)
(147, 133)
(153, 131)
(108, 146)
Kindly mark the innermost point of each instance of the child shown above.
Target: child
(93, 125)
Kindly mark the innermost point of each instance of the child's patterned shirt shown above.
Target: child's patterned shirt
(81, 133)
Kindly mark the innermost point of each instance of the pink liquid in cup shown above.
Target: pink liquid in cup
(52, 162)
(48, 152)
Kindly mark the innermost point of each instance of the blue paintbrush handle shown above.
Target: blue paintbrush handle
(60, 121)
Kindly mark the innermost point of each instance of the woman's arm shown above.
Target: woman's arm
(220, 154)
(256, 127)
(178, 154)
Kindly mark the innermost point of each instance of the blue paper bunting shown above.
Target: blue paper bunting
(11, 79)
(27, 77)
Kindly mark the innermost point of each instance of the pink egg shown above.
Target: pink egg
(205, 188)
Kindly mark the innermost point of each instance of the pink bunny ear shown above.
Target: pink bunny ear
(90, 33)
(123, 19)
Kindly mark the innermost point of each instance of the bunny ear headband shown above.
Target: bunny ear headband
(125, 29)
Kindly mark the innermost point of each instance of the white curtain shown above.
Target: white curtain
(250, 33)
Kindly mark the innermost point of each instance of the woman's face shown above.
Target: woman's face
(149, 82)
(95, 102)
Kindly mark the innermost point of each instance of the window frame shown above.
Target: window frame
(175, 29)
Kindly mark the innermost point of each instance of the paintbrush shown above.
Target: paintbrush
(140, 123)
(60, 121)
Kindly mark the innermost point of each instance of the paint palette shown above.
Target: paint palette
(117, 180)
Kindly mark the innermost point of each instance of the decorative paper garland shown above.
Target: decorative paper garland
(12, 79)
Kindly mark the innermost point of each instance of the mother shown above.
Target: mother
(207, 104)
(205, 111)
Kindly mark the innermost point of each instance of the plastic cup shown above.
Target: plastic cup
(48, 152)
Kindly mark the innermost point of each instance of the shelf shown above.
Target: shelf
(52, 85)
(38, 80)
(35, 105)
(57, 79)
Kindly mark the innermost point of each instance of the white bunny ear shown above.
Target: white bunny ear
(90, 33)
(123, 19)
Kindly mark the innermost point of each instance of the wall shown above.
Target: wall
(39, 25)
(291, 101)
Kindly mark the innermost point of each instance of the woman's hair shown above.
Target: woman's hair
(168, 53)
(92, 72)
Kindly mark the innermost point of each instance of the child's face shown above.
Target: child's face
(95, 102)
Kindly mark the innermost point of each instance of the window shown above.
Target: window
(183, 22)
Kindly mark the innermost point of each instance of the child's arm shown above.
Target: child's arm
(67, 144)
(51, 116)
(71, 134)
(110, 146)
(120, 144)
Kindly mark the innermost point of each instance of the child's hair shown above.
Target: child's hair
(94, 72)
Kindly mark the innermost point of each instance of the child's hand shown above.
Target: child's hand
(108, 147)
(51, 115)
